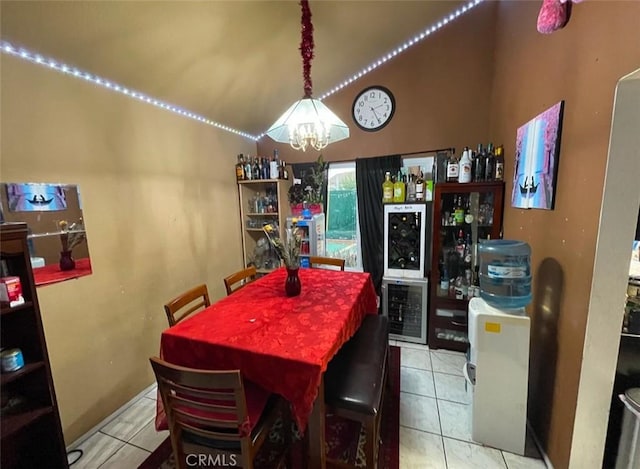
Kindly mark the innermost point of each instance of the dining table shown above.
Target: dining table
(280, 343)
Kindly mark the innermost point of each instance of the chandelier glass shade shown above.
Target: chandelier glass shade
(308, 122)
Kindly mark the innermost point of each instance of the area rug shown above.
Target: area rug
(344, 438)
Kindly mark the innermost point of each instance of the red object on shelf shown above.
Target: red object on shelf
(296, 209)
(52, 274)
(11, 290)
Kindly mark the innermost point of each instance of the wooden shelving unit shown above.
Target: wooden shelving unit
(274, 206)
(30, 427)
(448, 315)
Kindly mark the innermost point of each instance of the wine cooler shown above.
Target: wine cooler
(404, 302)
(406, 252)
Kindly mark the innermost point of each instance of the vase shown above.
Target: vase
(292, 285)
(66, 261)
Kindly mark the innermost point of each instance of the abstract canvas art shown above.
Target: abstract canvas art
(536, 160)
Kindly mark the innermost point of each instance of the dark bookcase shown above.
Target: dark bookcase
(30, 426)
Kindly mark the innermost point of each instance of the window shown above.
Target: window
(342, 224)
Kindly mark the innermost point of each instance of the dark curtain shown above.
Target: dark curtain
(369, 177)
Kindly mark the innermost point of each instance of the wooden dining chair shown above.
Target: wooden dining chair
(187, 303)
(215, 413)
(332, 261)
(242, 278)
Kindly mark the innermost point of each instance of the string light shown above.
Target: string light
(20, 52)
(402, 48)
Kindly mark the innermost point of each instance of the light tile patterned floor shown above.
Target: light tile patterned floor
(435, 427)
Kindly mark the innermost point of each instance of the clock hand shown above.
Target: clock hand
(374, 113)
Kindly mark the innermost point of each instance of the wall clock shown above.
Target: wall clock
(373, 108)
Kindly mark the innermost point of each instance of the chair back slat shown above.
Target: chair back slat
(209, 400)
(242, 278)
(207, 411)
(174, 309)
(315, 261)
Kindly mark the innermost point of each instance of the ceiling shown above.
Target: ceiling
(235, 62)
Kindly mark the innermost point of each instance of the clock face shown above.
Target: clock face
(373, 108)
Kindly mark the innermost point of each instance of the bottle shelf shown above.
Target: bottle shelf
(265, 214)
(10, 309)
(16, 422)
(261, 181)
(8, 377)
(260, 230)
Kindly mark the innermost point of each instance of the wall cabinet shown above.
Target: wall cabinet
(463, 216)
(262, 201)
(30, 423)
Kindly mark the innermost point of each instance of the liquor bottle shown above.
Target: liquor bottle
(476, 281)
(256, 168)
(411, 188)
(248, 170)
(265, 168)
(420, 187)
(285, 171)
(398, 190)
(466, 283)
(490, 164)
(467, 251)
(468, 217)
(387, 189)
(481, 158)
(464, 167)
(452, 168)
(499, 171)
(240, 168)
(460, 244)
(458, 212)
(273, 165)
(444, 280)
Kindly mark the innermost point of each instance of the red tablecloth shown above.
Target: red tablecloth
(283, 344)
(52, 274)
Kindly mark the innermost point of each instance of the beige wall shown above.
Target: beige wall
(160, 204)
(580, 64)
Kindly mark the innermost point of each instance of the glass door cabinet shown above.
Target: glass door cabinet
(464, 215)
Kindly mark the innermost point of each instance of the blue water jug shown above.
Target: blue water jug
(505, 273)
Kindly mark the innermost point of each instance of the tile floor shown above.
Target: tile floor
(435, 431)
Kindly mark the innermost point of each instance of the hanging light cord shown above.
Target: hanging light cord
(306, 46)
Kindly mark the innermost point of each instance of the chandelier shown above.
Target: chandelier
(308, 122)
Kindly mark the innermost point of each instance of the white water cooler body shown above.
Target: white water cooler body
(497, 375)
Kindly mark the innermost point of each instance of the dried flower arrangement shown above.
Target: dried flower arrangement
(289, 249)
(71, 235)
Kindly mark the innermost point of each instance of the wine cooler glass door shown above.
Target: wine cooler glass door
(404, 246)
(405, 304)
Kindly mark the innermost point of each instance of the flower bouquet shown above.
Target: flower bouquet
(288, 249)
(70, 237)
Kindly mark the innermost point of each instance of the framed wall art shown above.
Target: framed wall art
(536, 160)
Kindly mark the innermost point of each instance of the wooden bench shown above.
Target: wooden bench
(355, 381)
